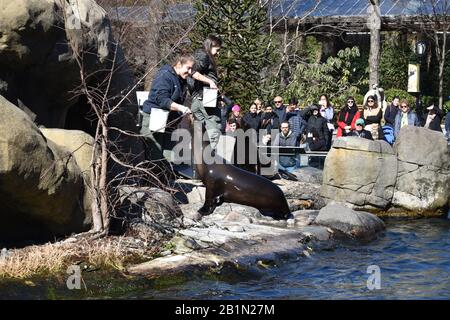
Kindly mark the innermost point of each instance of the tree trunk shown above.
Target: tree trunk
(97, 220)
(443, 49)
(103, 179)
(374, 25)
(153, 54)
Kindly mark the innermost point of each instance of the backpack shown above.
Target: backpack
(388, 132)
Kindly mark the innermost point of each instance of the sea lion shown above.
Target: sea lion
(225, 182)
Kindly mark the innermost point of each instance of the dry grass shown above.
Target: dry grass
(53, 258)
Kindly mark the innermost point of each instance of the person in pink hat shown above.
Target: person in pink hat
(235, 116)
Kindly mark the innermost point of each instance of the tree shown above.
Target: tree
(374, 25)
(435, 18)
(247, 50)
(149, 29)
(394, 63)
(107, 84)
(333, 77)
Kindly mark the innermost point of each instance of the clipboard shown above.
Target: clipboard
(158, 120)
(209, 97)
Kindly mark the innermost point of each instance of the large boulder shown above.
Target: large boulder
(79, 144)
(41, 185)
(423, 178)
(361, 173)
(39, 43)
(355, 224)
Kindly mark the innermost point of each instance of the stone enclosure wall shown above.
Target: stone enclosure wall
(413, 178)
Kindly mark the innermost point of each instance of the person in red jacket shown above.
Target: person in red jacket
(347, 118)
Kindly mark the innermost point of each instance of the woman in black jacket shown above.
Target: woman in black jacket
(205, 75)
(317, 133)
(252, 120)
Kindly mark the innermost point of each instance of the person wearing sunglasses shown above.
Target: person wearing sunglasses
(347, 118)
(406, 117)
(280, 108)
(372, 116)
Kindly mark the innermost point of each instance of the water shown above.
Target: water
(413, 257)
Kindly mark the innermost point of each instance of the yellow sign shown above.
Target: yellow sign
(413, 78)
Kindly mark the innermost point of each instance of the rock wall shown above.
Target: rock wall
(41, 185)
(413, 179)
(423, 177)
(39, 41)
(360, 172)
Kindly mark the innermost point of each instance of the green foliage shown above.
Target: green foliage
(333, 77)
(446, 106)
(312, 49)
(394, 63)
(247, 49)
(403, 94)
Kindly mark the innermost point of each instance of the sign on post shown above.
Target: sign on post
(413, 78)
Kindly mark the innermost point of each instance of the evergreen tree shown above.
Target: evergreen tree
(394, 63)
(247, 50)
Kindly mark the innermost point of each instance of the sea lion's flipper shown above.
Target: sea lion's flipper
(219, 200)
(287, 175)
(276, 215)
(210, 201)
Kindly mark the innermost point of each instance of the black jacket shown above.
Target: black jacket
(270, 121)
(252, 121)
(318, 124)
(389, 115)
(362, 134)
(435, 124)
(281, 112)
(205, 66)
(225, 111)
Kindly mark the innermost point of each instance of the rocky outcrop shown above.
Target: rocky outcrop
(41, 185)
(236, 237)
(38, 71)
(44, 177)
(423, 177)
(151, 213)
(79, 144)
(237, 240)
(309, 175)
(355, 224)
(360, 172)
(411, 180)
